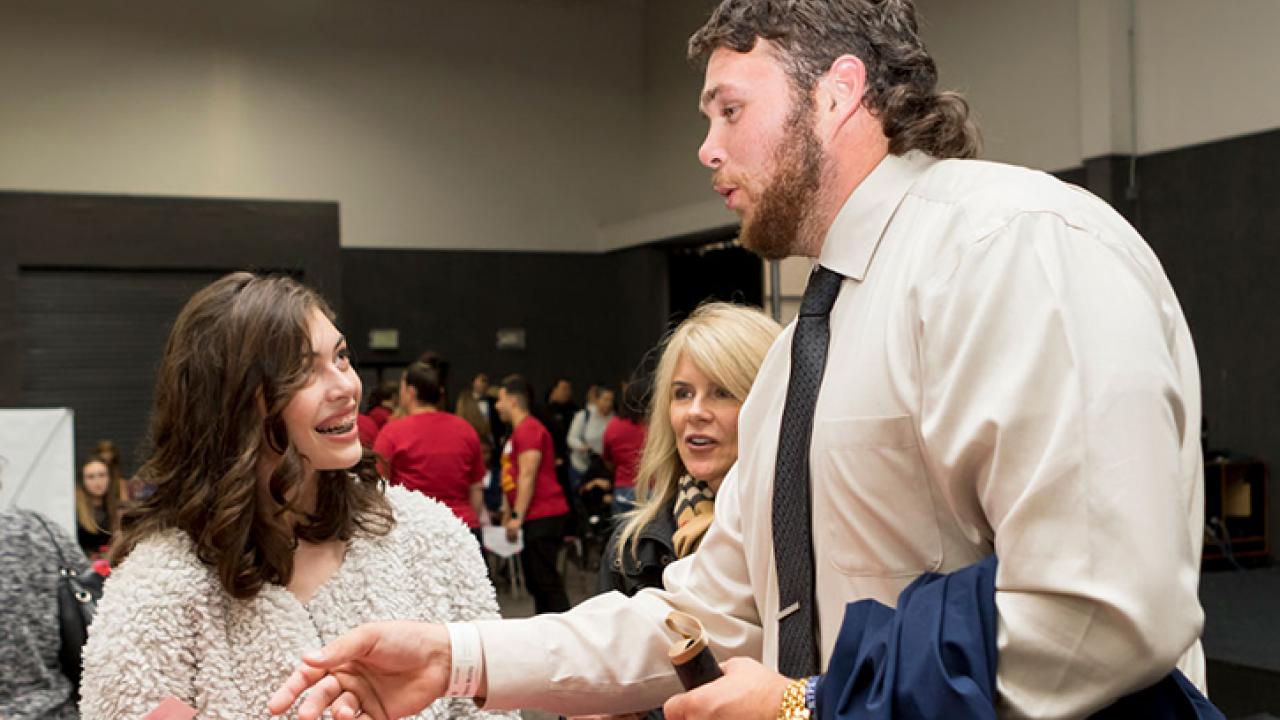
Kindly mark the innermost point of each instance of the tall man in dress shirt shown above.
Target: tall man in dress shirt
(1007, 371)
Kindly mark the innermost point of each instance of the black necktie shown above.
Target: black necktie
(792, 534)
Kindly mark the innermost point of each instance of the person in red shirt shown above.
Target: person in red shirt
(367, 429)
(433, 452)
(536, 505)
(382, 402)
(622, 443)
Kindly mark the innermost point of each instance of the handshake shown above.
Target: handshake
(396, 669)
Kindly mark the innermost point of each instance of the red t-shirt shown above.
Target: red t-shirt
(367, 429)
(436, 454)
(380, 415)
(548, 498)
(623, 441)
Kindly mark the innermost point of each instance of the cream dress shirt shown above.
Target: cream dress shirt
(1009, 372)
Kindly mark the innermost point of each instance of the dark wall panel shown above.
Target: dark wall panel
(1212, 213)
(699, 274)
(588, 317)
(91, 340)
(89, 283)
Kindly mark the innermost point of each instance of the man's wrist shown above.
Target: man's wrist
(793, 705)
(465, 660)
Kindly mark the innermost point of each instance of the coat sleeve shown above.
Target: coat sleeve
(1055, 373)
(142, 646)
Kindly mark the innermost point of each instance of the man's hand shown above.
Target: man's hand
(386, 670)
(513, 529)
(748, 691)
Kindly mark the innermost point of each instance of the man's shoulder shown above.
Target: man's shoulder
(456, 425)
(990, 195)
(451, 419)
(533, 427)
(396, 425)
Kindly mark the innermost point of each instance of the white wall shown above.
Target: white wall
(494, 124)
(1206, 71)
(547, 125)
(1048, 81)
(1017, 63)
(676, 197)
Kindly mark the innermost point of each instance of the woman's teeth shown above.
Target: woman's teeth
(336, 429)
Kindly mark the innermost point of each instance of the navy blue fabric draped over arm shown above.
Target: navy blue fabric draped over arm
(935, 656)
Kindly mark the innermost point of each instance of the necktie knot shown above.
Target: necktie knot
(821, 291)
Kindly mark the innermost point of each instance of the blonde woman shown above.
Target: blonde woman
(706, 371)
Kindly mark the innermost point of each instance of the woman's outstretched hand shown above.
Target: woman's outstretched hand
(385, 670)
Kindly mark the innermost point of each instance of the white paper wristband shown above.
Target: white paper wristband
(468, 660)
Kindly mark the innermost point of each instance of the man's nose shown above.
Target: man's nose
(711, 154)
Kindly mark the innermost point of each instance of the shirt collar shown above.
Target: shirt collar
(854, 235)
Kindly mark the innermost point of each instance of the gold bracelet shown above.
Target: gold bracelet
(793, 706)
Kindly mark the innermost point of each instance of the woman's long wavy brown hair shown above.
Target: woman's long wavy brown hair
(238, 353)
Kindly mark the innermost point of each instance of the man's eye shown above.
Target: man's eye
(730, 111)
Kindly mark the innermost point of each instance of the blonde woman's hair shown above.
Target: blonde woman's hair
(727, 343)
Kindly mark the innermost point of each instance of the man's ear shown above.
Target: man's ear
(839, 91)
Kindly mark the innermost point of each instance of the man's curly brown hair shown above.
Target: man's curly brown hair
(239, 347)
(902, 79)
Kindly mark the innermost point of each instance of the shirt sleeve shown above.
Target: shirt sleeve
(1054, 412)
(609, 654)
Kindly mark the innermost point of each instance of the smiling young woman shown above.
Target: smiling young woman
(269, 529)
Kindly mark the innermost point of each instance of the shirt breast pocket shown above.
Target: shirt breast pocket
(873, 503)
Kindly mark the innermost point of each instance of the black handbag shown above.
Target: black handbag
(78, 597)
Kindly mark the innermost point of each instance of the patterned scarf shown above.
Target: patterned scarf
(695, 507)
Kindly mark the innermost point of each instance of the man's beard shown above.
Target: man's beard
(782, 225)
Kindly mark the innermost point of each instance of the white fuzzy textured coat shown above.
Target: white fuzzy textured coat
(166, 627)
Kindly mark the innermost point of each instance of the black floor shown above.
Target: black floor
(1242, 640)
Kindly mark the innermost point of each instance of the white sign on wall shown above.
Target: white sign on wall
(38, 467)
